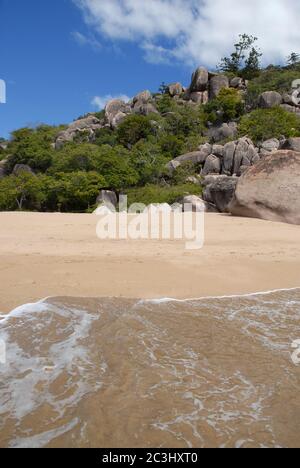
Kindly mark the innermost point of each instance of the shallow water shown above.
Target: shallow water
(121, 373)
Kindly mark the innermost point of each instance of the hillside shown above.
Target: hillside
(157, 148)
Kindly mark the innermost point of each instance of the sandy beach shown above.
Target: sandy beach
(46, 255)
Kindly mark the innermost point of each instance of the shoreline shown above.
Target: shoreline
(162, 300)
(51, 255)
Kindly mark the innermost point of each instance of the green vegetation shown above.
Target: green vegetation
(76, 191)
(134, 129)
(262, 124)
(32, 147)
(293, 59)
(278, 79)
(133, 158)
(161, 194)
(241, 64)
(229, 105)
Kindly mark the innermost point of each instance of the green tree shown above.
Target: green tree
(73, 157)
(75, 191)
(228, 105)
(293, 59)
(24, 191)
(238, 59)
(171, 145)
(133, 129)
(185, 121)
(32, 147)
(117, 168)
(252, 65)
(163, 89)
(148, 161)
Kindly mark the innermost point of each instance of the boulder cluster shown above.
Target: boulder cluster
(220, 167)
(230, 159)
(204, 87)
(288, 101)
(116, 111)
(83, 128)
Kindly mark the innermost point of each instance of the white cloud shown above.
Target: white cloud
(196, 31)
(99, 102)
(83, 40)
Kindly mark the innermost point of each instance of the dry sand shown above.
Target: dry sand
(59, 255)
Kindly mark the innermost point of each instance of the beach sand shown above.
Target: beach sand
(46, 255)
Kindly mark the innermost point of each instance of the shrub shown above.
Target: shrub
(228, 105)
(192, 143)
(184, 171)
(171, 146)
(133, 129)
(105, 136)
(272, 79)
(148, 161)
(161, 194)
(262, 124)
(185, 121)
(165, 103)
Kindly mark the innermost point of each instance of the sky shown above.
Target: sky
(63, 58)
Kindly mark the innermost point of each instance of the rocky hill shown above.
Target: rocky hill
(199, 141)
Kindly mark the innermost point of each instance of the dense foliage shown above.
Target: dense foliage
(228, 105)
(262, 124)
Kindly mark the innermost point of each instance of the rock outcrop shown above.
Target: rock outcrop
(196, 204)
(212, 165)
(116, 111)
(195, 157)
(107, 198)
(292, 144)
(175, 89)
(217, 83)
(205, 86)
(269, 146)
(271, 189)
(223, 132)
(21, 169)
(270, 99)
(219, 191)
(230, 159)
(199, 80)
(84, 128)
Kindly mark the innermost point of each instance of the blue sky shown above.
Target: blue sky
(60, 56)
(50, 77)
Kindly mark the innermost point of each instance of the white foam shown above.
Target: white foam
(165, 300)
(38, 306)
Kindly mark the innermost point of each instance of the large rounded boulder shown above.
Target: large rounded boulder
(270, 99)
(270, 189)
(199, 80)
(216, 84)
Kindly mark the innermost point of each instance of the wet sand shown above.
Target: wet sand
(46, 255)
(123, 373)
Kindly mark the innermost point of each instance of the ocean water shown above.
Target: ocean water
(211, 372)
